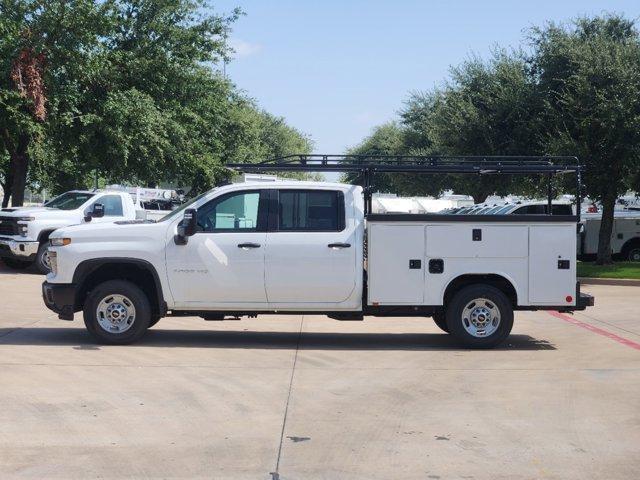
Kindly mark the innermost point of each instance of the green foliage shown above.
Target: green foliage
(132, 93)
(589, 76)
(577, 92)
(487, 108)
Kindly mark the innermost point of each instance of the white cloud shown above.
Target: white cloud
(244, 49)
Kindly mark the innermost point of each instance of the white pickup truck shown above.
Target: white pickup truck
(25, 231)
(299, 247)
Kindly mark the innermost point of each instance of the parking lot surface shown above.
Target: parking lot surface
(306, 397)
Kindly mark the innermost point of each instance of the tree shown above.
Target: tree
(44, 46)
(487, 108)
(589, 75)
(129, 92)
(387, 139)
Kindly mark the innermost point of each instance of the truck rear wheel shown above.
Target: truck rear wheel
(632, 253)
(117, 312)
(480, 316)
(440, 319)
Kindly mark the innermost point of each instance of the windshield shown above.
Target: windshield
(182, 207)
(69, 200)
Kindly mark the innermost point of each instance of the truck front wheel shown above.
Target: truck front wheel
(43, 263)
(480, 316)
(117, 312)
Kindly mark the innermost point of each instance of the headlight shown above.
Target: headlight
(26, 219)
(59, 242)
(23, 229)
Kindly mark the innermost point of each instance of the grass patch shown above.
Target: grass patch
(617, 270)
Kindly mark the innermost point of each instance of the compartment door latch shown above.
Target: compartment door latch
(415, 264)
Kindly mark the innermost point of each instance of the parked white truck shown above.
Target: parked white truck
(625, 235)
(25, 231)
(299, 247)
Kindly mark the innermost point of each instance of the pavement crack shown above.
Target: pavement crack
(609, 324)
(275, 475)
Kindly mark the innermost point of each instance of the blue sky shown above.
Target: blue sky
(335, 69)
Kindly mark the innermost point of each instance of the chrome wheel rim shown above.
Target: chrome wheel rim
(481, 318)
(115, 313)
(46, 260)
(634, 255)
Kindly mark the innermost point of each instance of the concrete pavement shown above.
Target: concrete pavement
(295, 397)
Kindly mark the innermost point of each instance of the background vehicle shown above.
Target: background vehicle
(625, 237)
(25, 231)
(291, 247)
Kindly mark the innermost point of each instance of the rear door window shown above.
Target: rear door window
(310, 211)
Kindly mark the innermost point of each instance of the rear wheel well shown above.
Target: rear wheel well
(137, 274)
(497, 281)
(629, 244)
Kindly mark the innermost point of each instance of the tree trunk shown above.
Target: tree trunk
(6, 187)
(19, 166)
(479, 197)
(606, 227)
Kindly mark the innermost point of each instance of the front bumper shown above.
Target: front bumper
(61, 298)
(21, 250)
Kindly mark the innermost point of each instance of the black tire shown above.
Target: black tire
(632, 253)
(137, 298)
(440, 320)
(16, 264)
(41, 258)
(496, 300)
(154, 319)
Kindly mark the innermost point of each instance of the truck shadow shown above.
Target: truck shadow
(80, 339)
(31, 270)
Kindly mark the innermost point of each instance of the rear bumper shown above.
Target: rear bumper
(60, 297)
(585, 300)
(20, 250)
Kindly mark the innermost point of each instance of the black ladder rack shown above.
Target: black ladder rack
(368, 165)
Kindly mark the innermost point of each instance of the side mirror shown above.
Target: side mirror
(96, 212)
(187, 226)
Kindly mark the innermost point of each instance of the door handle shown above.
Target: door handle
(246, 246)
(339, 245)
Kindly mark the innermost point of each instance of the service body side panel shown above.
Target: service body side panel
(552, 264)
(525, 254)
(500, 249)
(391, 248)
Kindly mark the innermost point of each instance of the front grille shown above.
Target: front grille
(8, 226)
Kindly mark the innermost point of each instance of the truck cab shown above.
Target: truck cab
(25, 231)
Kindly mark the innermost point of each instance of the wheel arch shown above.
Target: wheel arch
(501, 282)
(43, 236)
(633, 242)
(91, 273)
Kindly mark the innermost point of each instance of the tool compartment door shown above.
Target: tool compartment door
(552, 264)
(396, 264)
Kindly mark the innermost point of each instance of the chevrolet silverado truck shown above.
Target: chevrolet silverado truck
(292, 247)
(25, 231)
